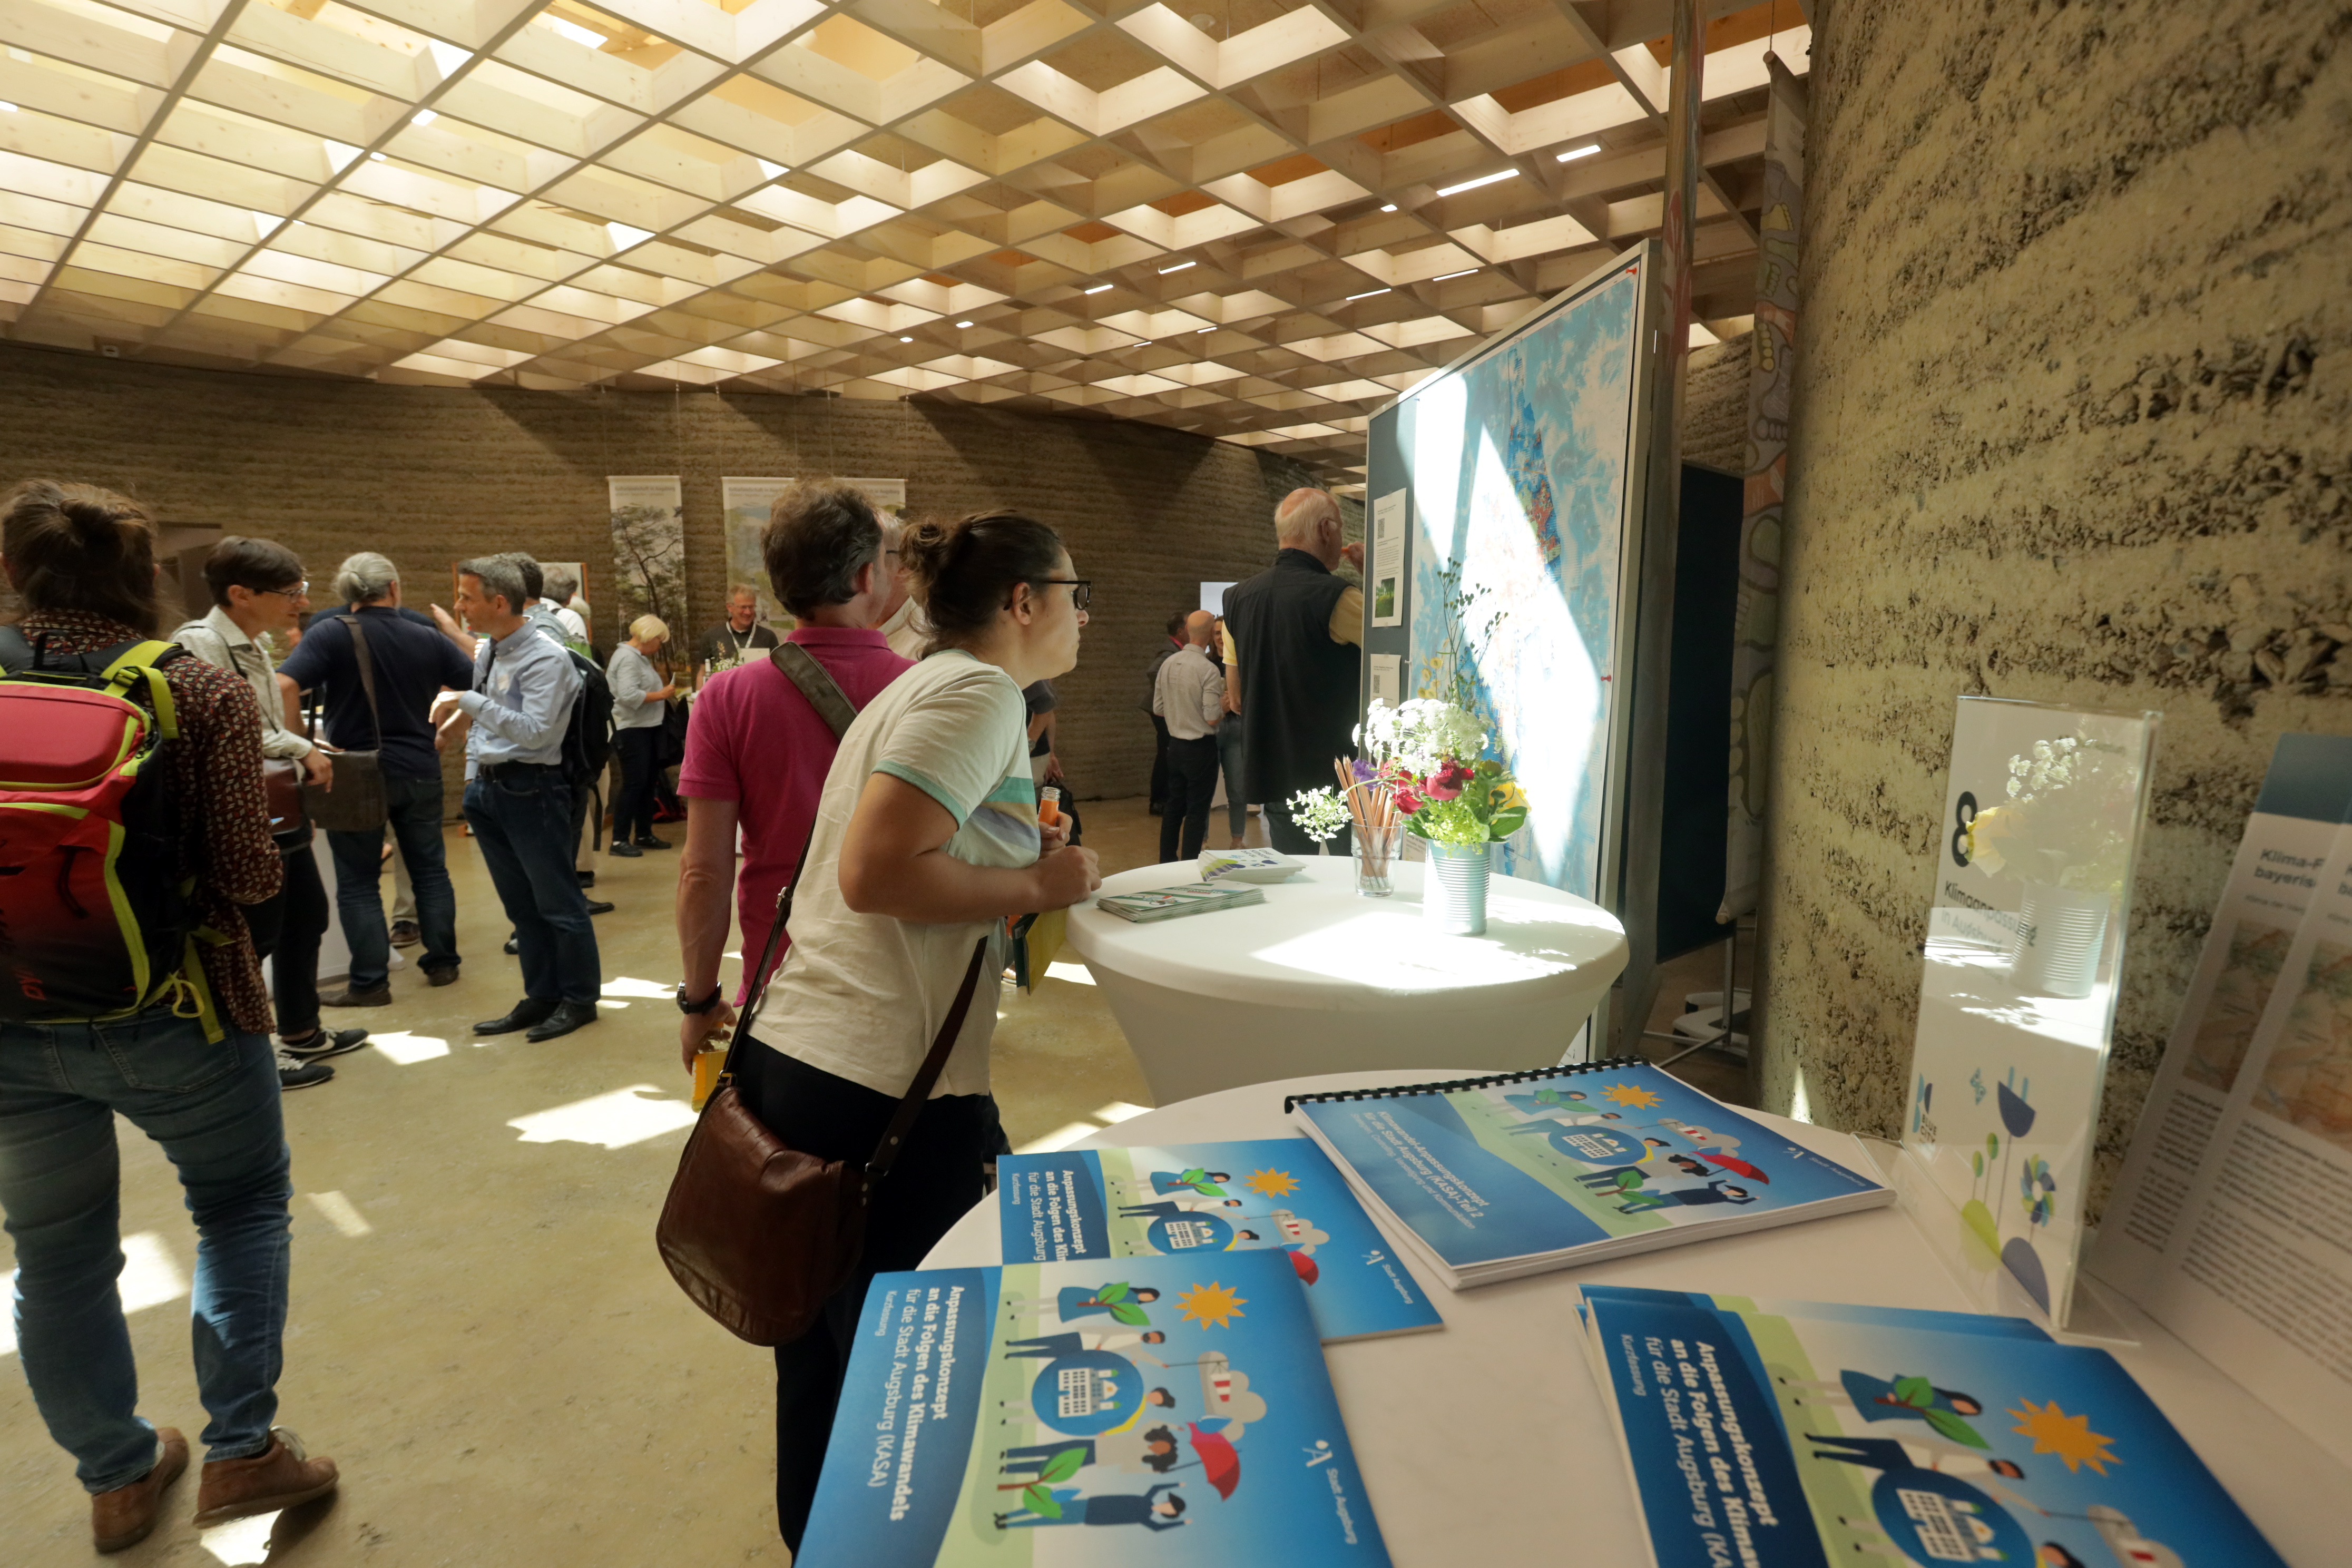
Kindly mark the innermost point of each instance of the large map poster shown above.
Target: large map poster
(1520, 463)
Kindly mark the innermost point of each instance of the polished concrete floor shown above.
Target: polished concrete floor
(480, 1333)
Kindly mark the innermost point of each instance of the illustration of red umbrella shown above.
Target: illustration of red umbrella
(1738, 1167)
(1219, 1464)
(1305, 1266)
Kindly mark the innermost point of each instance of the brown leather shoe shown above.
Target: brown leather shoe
(282, 1477)
(124, 1516)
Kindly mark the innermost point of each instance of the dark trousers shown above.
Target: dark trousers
(1158, 762)
(1192, 789)
(1229, 757)
(287, 929)
(416, 808)
(1289, 838)
(521, 818)
(633, 808)
(936, 1179)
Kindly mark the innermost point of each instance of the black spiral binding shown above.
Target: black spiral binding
(1291, 1102)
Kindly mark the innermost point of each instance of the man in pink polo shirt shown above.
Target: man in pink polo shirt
(757, 752)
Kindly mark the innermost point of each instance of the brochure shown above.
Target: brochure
(1876, 1437)
(1173, 903)
(1494, 1178)
(1842, 1312)
(1176, 1409)
(1196, 1199)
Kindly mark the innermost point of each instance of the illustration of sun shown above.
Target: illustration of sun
(1212, 1306)
(1633, 1096)
(2068, 1436)
(1273, 1183)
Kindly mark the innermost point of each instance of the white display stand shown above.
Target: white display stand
(1318, 979)
(1487, 1441)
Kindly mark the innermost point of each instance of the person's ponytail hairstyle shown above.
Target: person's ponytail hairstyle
(78, 547)
(965, 571)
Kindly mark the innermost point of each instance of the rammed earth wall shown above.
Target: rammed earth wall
(429, 475)
(2074, 423)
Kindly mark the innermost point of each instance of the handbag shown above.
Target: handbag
(281, 793)
(356, 802)
(756, 1233)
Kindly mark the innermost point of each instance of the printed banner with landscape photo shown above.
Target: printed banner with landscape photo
(648, 550)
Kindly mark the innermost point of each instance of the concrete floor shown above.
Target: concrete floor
(480, 1333)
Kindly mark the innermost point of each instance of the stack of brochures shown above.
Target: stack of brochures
(1494, 1178)
(1247, 866)
(1271, 1195)
(1172, 903)
(1805, 1432)
(1176, 1410)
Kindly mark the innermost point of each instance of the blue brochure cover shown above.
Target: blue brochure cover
(1174, 1410)
(1267, 1195)
(1506, 1176)
(1799, 1442)
(1991, 1323)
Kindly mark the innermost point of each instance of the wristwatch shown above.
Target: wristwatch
(704, 1006)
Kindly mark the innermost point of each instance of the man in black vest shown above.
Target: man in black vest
(1291, 639)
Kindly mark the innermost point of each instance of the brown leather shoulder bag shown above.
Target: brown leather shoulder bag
(758, 1233)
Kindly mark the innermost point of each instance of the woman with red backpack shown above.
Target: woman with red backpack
(132, 835)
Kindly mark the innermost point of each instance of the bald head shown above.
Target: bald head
(1199, 627)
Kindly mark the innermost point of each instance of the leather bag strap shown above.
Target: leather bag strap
(920, 1091)
(817, 683)
(367, 673)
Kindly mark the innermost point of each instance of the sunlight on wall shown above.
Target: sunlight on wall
(614, 1120)
(1800, 1104)
(151, 1276)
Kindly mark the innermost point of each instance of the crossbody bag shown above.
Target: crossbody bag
(355, 801)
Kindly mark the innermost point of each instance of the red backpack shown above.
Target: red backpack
(95, 921)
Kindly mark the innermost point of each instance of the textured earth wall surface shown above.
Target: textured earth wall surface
(430, 475)
(2073, 424)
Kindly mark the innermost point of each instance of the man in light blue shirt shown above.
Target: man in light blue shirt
(520, 803)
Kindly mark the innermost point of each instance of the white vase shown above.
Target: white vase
(1453, 887)
(2060, 932)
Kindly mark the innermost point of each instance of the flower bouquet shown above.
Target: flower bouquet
(2064, 832)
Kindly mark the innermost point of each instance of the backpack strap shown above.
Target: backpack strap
(817, 683)
(144, 662)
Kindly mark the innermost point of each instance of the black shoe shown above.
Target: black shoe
(587, 878)
(567, 1017)
(624, 850)
(599, 907)
(322, 1044)
(647, 841)
(511, 946)
(445, 975)
(347, 997)
(524, 1014)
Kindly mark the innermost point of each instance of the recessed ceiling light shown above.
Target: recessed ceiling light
(1097, 288)
(1388, 207)
(906, 340)
(1178, 267)
(1573, 154)
(375, 157)
(963, 323)
(424, 117)
(578, 34)
(1444, 275)
(1481, 180)
(1366, 294)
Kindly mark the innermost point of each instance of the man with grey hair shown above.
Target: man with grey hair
(1292, 637)
(559, 584)
(385, 705)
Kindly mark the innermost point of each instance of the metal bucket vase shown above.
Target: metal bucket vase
(1453, 887)
(2060, 932)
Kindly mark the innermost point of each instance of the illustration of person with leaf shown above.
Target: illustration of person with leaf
(1205, 1182)
(1900, 1398)
(1168, 1208)
(1118, 1301)
(1053, 1347)
(1150, 1509)
(1051, 1463)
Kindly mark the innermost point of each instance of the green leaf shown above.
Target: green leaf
(1916, 1392)
(1115, 1291)
(1040, 1501)
(1128, 1312)
(1976, 1160)
(1063, 1465)
(1506, 822)
(1952, 1426)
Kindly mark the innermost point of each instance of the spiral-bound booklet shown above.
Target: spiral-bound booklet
(1493, 1178)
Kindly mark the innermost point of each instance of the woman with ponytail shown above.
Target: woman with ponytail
(194, 1071)
(926, 838)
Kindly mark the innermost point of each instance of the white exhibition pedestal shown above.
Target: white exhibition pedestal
(1318, 979)
(1488, 1442)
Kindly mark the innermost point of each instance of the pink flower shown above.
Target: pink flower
(1450, 782)
(1407, 802)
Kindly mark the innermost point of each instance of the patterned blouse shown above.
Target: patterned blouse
(216, 777)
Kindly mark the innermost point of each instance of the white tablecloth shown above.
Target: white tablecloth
(1318, 979)
(1487, 1442)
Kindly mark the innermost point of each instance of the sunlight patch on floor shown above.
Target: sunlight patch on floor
(403, 1049)
(613, 1120)
(1069, 1133)
(151, 1276)
(240, 1542)
(1075, 974)
(341, 1212)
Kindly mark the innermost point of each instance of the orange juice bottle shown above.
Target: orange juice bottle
(1049, 804)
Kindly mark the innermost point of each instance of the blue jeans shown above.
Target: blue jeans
(522, 823)
(416, 807)
(1229, 757)
(215, 1110)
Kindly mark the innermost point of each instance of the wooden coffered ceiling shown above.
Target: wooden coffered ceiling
(1254, 219)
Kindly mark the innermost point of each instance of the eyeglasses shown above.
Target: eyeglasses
(1081, 589)
(296, 592)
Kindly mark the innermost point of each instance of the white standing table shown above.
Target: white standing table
(1486, 1441)
(1318, 979)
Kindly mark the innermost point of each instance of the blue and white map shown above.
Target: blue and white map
(1519, 465)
